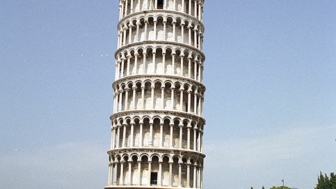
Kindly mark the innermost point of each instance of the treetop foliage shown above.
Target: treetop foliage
(280, 187)
(325, 182)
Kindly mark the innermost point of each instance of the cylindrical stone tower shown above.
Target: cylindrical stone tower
(157, 123)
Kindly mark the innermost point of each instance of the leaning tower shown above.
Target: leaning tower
(157, 123)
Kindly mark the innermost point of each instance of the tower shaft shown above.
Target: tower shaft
(157, 123)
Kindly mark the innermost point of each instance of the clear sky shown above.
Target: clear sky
(270, 103)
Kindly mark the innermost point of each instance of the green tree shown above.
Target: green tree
(325, 182)
(280, 187)
(263, 187)
(333, 180)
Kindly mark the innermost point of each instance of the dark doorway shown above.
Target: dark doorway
(160, 4)
(154, 178)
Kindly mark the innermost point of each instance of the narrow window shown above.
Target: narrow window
(160, 4)
(153, 178)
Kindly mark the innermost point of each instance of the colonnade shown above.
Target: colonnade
(157, 134)
(166, 170)
(159, 95)
(191, 7)
(161, 28)
(159, 60)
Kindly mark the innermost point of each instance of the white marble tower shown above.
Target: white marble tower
(157, 124)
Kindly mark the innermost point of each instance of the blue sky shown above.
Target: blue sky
(270, 103)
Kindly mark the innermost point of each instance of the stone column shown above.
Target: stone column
(195, 37)
(188, 175)
(182, 31)
(195, 68)
(155, 23)
(136, 55)
(141, 127)
(120, 11)
(202, 100)
(121, 181)
(200, 10)
(200, 73)
(132, 7)
(189, 100)
(199, 39)
(181, 99)
(126, 7)
(183, 9)
(113, 137)
(134, 96)
(189, 11)
(165, 30)
(162, 96)
(199, 104)
(189, 28)
(173, 62)
(154, 53)
(118, 136)
(116, 75)
(188, 137)
(151, 134)
(195, 10)
(115, 173)
(126, 98)
(165, 5)
(195, 137)
(152, 96)
(143, 96)
(199, 140)
(160, 174)
(139, 174)
(122, 73)
(172, 97)
(149, 172)
(110, 175)
(170, 174)
(180, 175)
(124, 40)
(181, 134)
(195, 176)
(144, 54)
(130, 34)
(128, 64)
(138, 31)
(120, 99)
(132, 134)
(189, 66)
(199, 177)
(146, 30)
(163, 62)
(195, 101)
(120, 39)
(161, 135)
(174, 30)
(182, 61)
(115, 99)
(124, 137)
(171, 134)
(130, 172)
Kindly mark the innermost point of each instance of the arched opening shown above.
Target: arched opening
(160, 4)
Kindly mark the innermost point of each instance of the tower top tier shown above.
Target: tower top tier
(192, 8)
